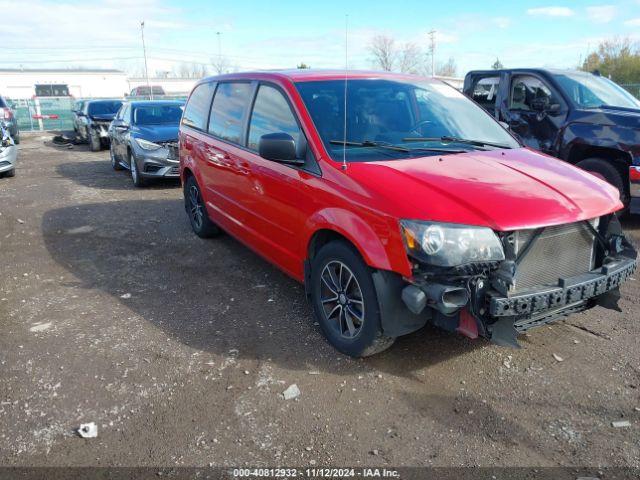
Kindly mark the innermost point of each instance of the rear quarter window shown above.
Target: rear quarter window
(229, 108)
(196, 112)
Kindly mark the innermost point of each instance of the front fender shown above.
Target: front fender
(615, 137)
(377, 240)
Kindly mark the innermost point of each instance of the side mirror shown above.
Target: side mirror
(120, 125)
(279, 147)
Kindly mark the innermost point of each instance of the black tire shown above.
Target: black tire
(115, 163)
(366, 338)
(196, 210)
(606, 169)
(138, 180)
(10, 173)
(95, 145)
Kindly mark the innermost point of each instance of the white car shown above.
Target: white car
(8, 154)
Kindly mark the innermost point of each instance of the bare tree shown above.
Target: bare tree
(410, 58)
(447, 69)
(221, 65)
(497, 65)
(383, 51)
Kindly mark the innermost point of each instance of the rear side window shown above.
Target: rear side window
(197, 110)
(271, 114)
(229, 107)
(485, 92)
(3, 104)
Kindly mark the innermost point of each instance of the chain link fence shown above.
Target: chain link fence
(56, 113)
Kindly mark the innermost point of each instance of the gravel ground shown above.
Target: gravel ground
(179, 349)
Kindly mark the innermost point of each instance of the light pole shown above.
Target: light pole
(432, 51)
(144, 51)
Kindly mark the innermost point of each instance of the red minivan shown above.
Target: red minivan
(398, 201)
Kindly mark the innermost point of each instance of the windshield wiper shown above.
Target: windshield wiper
(449, 139)
(370, 143)
(396, 148)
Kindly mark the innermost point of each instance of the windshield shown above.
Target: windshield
(417, 118)
(157, 115)
(592, 91)
(104, 108)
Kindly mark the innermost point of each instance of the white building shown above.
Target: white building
(21, 83)
(171, 86)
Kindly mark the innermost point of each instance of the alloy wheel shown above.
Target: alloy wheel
(195, 207)
(134, 169)
(342, 300)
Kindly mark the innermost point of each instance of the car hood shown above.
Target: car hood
(103, 117)
(501, 189)
(618, 116)
(156, 133)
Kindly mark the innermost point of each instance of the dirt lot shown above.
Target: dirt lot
(112, 311)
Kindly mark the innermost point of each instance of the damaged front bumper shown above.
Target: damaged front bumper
(482, 301)
(160, 163)
(509, 316)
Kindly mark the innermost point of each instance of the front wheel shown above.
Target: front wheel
(345, 301)
(137, 179)
(607, 171)
(9, 173)
(94, 143)
(201, 224)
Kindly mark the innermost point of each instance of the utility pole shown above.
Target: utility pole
(219, 45)
(432, 51)
(144, 51)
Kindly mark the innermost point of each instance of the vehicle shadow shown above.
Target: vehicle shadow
(212, 295)
(100, 175)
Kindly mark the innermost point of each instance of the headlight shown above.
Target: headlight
(450, 245)
(147, 145)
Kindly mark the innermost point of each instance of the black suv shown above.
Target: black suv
(579, 117)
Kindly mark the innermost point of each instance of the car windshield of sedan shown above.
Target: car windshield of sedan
(389, 119)
(592, 91)
(157, 115)
(104, 108)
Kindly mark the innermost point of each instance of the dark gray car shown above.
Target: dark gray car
(8, 117)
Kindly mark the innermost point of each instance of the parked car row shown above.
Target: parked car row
(397, 201)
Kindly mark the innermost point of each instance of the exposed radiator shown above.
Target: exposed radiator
(559, 251)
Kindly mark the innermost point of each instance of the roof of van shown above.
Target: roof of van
(307, 75)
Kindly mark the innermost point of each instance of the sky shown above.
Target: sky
(283, 33)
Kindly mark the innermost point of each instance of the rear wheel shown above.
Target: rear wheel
(607, 171)
(345, 301)
(201, 224)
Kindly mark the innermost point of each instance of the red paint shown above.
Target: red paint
(467, 326)
(276, 209)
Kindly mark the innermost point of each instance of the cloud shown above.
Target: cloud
(551, 11)
(602, 13)
(634, 22)
(501, 22)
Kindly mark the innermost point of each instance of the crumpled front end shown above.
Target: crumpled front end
(546, 274)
